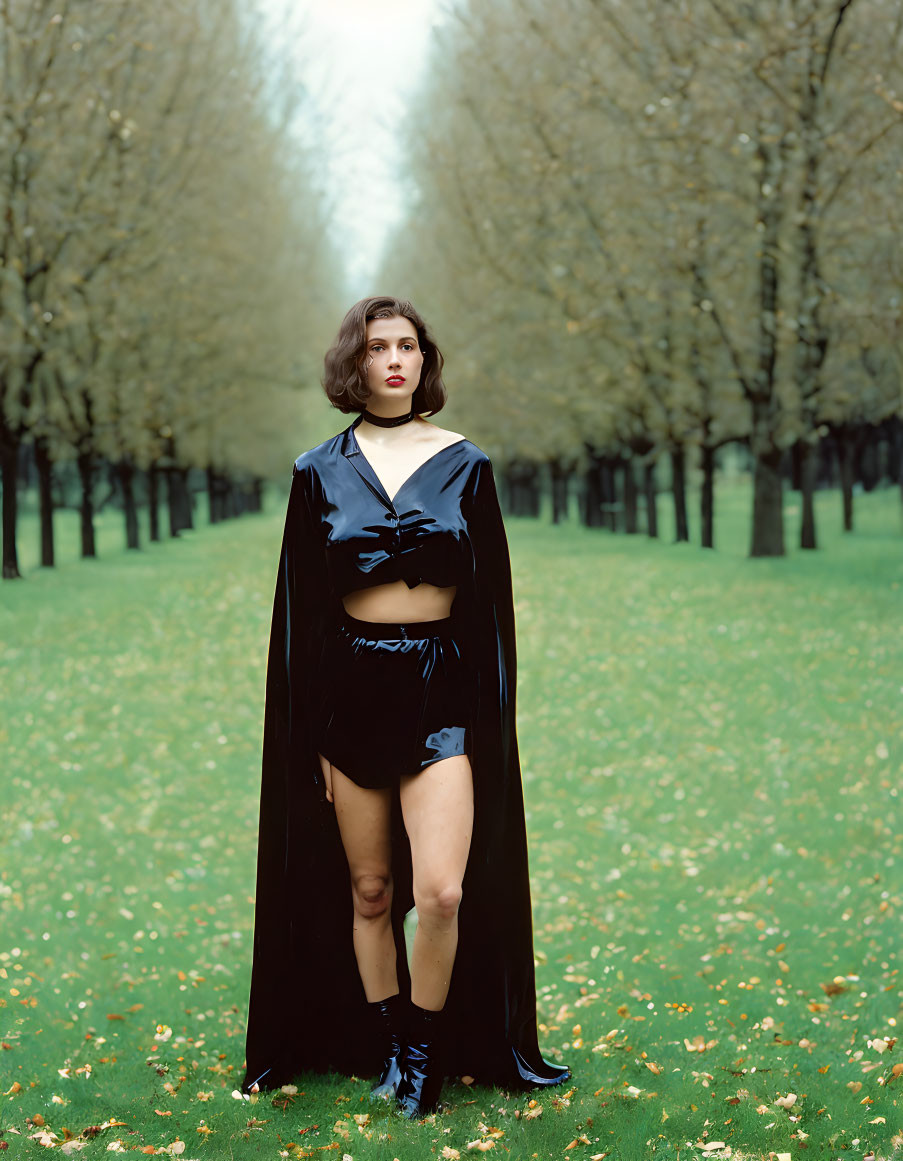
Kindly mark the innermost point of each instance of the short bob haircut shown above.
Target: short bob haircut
(345, 380)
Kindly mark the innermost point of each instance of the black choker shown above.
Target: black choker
(381, 421)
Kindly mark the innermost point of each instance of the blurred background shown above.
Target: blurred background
(658, 243)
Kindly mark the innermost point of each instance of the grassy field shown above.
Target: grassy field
(712, 752)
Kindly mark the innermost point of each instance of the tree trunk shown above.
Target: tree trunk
(609, 482)
(44, 467)
(812, 333)
(9, 469)
(869, 471)
(651, 499)
(185, 498)
(707, 496)
(522, 489)
(214, 496)
(534, 491)
(826, 475)
(679, 492)
(797, 452)
(178, 500)
(86, 475)
(767, 533)
(630, 497)
(172, 503)
(895, 450)
(559, 477)
(896, 462)
(126, 472)
(231, 507)
(592, 499)
(768, 513)
(153, 501)
(212, 515)
(807, 454)
(846, 449)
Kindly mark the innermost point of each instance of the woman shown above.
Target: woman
(391, 775)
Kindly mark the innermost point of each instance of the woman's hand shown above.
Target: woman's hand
(327, 775)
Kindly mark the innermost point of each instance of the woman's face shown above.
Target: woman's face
(392, 361)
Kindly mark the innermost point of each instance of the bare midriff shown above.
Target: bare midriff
(396, 602)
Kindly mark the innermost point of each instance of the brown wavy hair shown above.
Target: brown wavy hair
(345, 380)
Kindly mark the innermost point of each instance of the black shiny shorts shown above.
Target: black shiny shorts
(395, 699)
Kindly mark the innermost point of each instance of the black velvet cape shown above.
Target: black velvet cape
(307, 1008)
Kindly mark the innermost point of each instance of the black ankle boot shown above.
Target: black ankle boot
(391, 1018)
(421, 1065)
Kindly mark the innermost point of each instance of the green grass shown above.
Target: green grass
(712, 752)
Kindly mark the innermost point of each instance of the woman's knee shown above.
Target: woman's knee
(438, 902)
(372, 894)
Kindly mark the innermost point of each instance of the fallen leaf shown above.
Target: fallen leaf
(45, 1138)
(699, 1044)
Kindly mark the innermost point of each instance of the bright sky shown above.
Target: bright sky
(361, 61)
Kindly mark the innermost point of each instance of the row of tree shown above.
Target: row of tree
(175, 491)
(656, 229)
(611, 493)
(159, 233)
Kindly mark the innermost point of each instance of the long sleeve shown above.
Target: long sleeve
(494, 965)
(300, 863)
(493, 602)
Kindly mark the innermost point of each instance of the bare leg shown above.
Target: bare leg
(364, 824)
(437, 805)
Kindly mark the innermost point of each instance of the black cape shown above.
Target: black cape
(307, 1008)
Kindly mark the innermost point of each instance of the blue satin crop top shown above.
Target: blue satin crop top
(368, 539)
